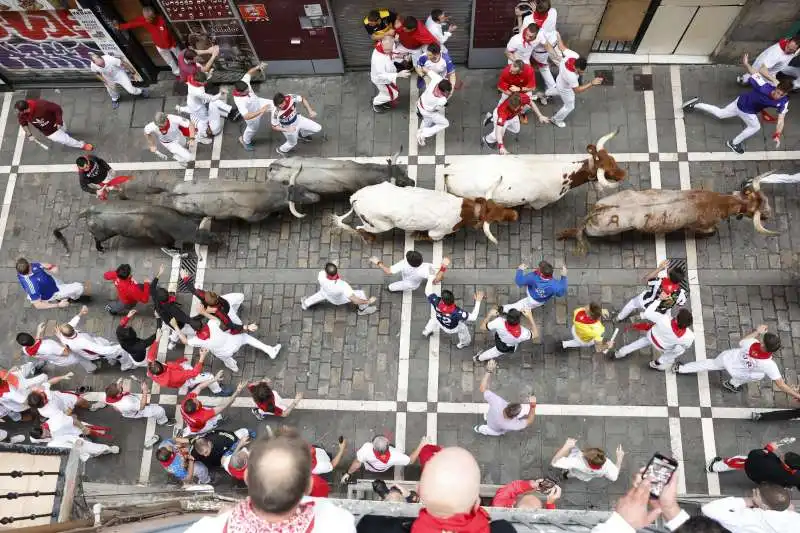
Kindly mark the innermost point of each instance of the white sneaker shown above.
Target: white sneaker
(367, 310)
(426, 333)
(558, 123)
(204, 140)
(462, 346)
(274, 352)
(149, 443)
(113, 449)
(96, 406)
(303, 304)
(420, 139)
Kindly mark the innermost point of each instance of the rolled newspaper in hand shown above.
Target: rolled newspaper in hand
(611, 340)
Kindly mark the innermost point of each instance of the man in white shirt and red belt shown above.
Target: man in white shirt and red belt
(376, 456)
(412, 269)
(568, 85)
(293, 125)
(50, 351)
(113, 73)
(175, 133)
(338, 292)
(749, 362)
(383, 74)
(430, 107)
(775, 59)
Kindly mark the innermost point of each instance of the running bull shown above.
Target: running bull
(385, 206)
(661, 211)
(329, 177)
(534, 184)
(136, 220)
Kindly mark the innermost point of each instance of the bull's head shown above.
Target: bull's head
(300, 194)
(754, 203)
(491, 211)
(603, 165)
(397, 175)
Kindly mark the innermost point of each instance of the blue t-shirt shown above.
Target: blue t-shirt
(539, 287)
(176, 466)
(39, 284)
(759, 99)
(447, 320)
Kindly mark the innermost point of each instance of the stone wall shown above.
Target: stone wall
(578, 21)
(760, 24)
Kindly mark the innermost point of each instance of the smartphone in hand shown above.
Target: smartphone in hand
(547, 484)
(659, 472)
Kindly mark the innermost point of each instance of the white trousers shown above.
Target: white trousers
(524, 303)
(198, 379)
(782, 178)
(213, 118)
(178, 149)
(211, 424)
(240, 340)
(710, 365)
(752, 124)
(634, 304)
(386, 94)
(400, 50)
(320, 296)
(67, 291)
(664, 361)
(576, 342)
(464, 337)
(567, 102)
(91, 449)
(512, 125)
(72, 359)
(234, 300)
(121, 80)
(302, 126)
(542, 64)
(486, 430)
(150, 411)
(170, 58)
(492, 353)
(60, 136)
(432, 123)
(408, 284)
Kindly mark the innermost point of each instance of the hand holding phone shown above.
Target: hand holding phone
(659, 472)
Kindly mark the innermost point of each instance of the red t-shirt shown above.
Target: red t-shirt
(505, 113)
(128, 291)
(319, 487)
(417, 38)
(157, 29)
(425, 454)
(524, 78)
(197, 420)
(174, 375)
(42, 115)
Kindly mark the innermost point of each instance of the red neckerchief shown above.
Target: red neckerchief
(757, 352)
(669, 287)
(33, 350)
(115, 399)
(164, 128)
(237, 92)
(445, 308)
(244, 520)
(313, 458)
(379, 48)
(539, 18)
(8, 380)
(382, 457)
(583, 318)
(543, 276)
(287, 103)
(675, 329)
(570, 64)
(476, 521)
(514, 329)
(168, 462)
(194, 83)
(782, 43)
(332, 278)
(204, 333)
(594, 467)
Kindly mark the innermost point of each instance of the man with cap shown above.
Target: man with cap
(540, 286)
(43, 289)
(251, 106)
(669, 337)
(412, 269)
(508, 332)
(114, 73)
(48, 118)
(293, 125)
(447, 316)
(503, 416)
(764, 465)
(175, 133)
(90, 346)
(338, 292)
(384, 74)
(50, 351)
(207, 111)
(750, 362)
(663, 283)
(376, 456)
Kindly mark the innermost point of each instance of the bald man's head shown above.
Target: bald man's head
(528, 501)
(450, 483)
(278, 472)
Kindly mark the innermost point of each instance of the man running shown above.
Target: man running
(251, 106)
(207, 111)
(293, 125)
(175, 133)
(412, 269)
(540, 286)
(114, 73)
(448, 317)
(50, 351)
(92, 347)
(430, 107)
(503, 416)
(48, 118)
(506, 117)
(508, 332)
(663, 284)
(43, 289)
(776, 59)
(568, 84)
(338, 292)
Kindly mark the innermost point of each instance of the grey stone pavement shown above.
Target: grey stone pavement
(363, 376)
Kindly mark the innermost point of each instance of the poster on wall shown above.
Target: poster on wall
(253, 12)
(45, 44)
(87, 19)
(29, 5)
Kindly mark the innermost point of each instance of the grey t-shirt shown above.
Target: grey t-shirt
(495, 418)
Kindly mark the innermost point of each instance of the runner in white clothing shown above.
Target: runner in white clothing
(15, 385)
(49, 403)
(251, 106)
(113, 72)
(568, 84)
(131, 405)
(546, 49)
(338, 292)
(413, 271)
(175, 133)
(430, 107)
(292, 124)
(775, 59)
(508, 332)
(92, 347)
(207, 111)
(50, 351)
(64, 431)
(438, 23)
(751, 361)
(586, 465)
(522, 44)
(376, 456)
(383, 74)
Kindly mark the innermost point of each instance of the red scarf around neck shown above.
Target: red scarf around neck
(33, 350)
(756, 351)
(539, 17)
(244, 520)
(679, 332)
(475, 522)
(445, 308)
(115, 399)
(514, 329)
(382, 457)
(570, 64)
(194, 83)
(782, 43)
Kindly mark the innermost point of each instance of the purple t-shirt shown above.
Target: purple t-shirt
(495, 418)
(759, 98)
(186, 69)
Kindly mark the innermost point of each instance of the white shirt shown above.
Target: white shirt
(286, 117)
(324, 464)
(382, 69)
(662, 336)
(498, 325)
(567, 79)
(740, 365)
(220, 343)
(16, 399)
(252, 102)
(197, 100)
(548, 30)
(62, 425)
(412, 273)
(328, 518)
(52, 352)
(428, 101)
(520, 48)
(128, 405)
(436, 30)
(337, 291)
(774, 58)
(173, 133)
(57, 402)
(579, 468)
(111, 71)
(439, 67)
(734, 514)
(366, 455)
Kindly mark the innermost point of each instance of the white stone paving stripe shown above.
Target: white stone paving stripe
(8, 98)
(12, 182)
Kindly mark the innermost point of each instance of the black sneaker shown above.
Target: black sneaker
(257, 413)
(689, 104)
(305, 138)
(612, 355)
(738, 148)
(487, 119)
(676, 367)
(565, 475)
(383, 108)
(755, 417)
(714, 461)
(727, 385)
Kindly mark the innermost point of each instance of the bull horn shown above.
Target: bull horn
(492, 190)
(756, 183)
(760, 227)
(601, 144)
(393, 159)
(292, 209)
(487, 230)
(591, 159)
(601, 179)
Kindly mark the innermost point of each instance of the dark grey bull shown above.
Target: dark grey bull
(136, 220)
(329, 176)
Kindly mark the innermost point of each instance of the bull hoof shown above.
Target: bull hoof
(366, 236)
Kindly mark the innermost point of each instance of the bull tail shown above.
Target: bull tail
(57, 233)
(338, 221)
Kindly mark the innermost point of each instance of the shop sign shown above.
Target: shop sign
(253, 12)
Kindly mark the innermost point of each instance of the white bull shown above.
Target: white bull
(384, 206)
(535, 184)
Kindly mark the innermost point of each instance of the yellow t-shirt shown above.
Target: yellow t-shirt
(586, 328)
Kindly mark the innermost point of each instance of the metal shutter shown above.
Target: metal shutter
(356, 44)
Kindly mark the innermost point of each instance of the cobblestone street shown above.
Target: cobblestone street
(377, 374)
